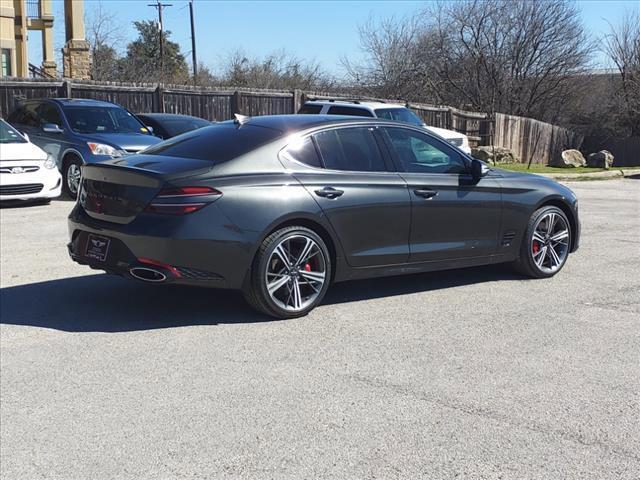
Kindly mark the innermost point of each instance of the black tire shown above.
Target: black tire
(66, 165)
(525, 263)
(255, 289)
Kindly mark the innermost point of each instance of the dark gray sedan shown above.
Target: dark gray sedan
(282, 206)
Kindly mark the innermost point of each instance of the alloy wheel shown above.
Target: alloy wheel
(550, 242)
(295, 273)
(73, 178)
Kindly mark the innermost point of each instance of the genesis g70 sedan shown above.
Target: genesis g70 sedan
(280, 207)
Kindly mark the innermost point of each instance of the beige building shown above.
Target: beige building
(19, 18)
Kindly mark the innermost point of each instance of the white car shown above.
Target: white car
(387, 111)
(26, 171)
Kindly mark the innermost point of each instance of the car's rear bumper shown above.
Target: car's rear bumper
(186, 250)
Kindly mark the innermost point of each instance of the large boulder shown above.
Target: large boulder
(569, 159)
(601, 159)
(486, 154)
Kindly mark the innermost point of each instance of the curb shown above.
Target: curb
(613, 173)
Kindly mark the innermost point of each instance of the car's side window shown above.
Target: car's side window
(303, 151)
(351, 149)
(26, 115)
(353, 111)
(49, 114)
(419, 153)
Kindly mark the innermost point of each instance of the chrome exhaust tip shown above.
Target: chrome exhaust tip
(147, 274)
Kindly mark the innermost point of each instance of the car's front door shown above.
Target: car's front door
(367, 205)
(454, 215)
(54, 143)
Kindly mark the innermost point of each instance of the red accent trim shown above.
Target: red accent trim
(156, 263)
(187, 192)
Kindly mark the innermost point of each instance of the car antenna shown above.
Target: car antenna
(241, 119)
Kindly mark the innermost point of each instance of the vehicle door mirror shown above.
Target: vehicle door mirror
(479, 169)
(149, 128)
(51, 128)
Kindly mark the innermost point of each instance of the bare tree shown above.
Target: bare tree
(105, 40)
(278, 70)
(622, 45)
(511, 55)
(394, 64)
(514, 56)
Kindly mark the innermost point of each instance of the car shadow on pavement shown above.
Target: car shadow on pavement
(107, 303)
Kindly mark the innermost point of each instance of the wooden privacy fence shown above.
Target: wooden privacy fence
(529, 139)
(533, 140)
(218, 103)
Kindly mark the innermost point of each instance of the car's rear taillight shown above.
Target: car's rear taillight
(182, 200)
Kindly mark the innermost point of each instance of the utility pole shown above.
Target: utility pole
(159, 6)
(193, 45)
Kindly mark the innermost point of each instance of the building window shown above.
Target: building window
(6, 62)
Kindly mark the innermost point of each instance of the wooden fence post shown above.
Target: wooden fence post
(235, 102)
(65, 90)
(297, 100)
(159, 99)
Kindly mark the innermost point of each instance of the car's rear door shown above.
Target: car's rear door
(367, 205)
(454, 216)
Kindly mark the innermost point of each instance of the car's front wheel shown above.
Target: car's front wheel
(546, 244)
(290, 274)
(71, 175)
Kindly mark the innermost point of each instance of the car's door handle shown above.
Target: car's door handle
(329, 192)
(425, 193)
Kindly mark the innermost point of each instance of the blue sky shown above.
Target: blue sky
(323, 31)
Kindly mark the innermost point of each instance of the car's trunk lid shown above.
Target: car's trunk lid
(118, 190)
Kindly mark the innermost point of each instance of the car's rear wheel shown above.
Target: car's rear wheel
(71, 175)
(546, 244)
(290, 274)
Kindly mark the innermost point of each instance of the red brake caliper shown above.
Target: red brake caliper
(307, 267)
(536, 246)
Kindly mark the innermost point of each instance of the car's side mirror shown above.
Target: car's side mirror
(149, 128)
(51, 128)
(478, 169)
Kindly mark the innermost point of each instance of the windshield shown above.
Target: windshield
(403, 115)
(103, 120)
(8, 134)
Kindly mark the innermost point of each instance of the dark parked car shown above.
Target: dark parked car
(79, 131)
(282, 206)
(167, 125)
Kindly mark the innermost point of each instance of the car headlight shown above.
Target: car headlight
(50, 162)
(102, 149)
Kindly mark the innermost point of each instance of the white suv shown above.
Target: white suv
(387, 111)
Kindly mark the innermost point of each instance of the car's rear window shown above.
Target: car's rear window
(310, 109)
(353, 111)
(217, 143)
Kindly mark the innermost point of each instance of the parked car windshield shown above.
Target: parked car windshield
(399, 115)
(103, 120)
(217, 143)
(8, 134)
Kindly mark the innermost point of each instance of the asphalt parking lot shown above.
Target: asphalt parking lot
(464, 374)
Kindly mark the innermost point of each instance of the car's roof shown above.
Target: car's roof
(355, 103)
(81, 102)
(291, 123)
(168, 116)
